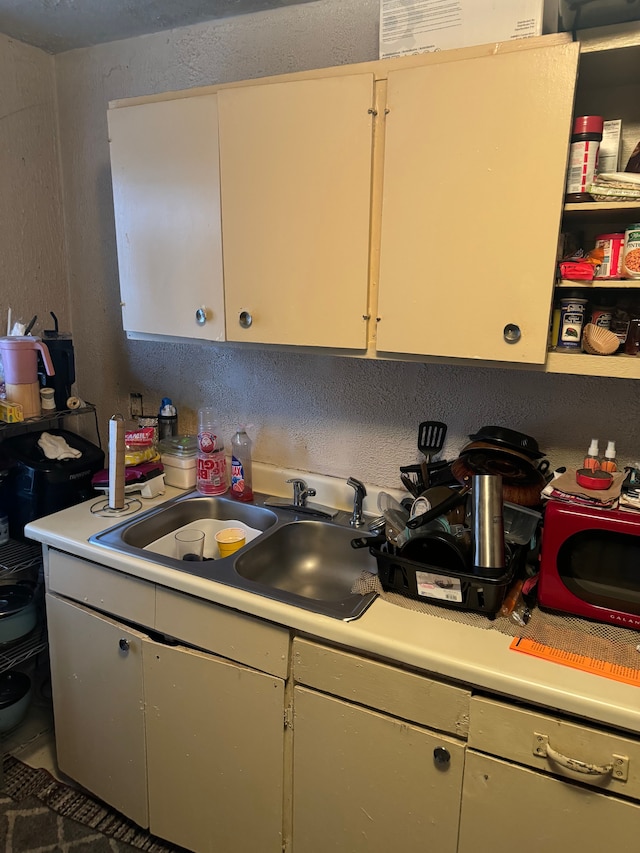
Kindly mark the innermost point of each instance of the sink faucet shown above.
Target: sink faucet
(357, 518)
(301, 492)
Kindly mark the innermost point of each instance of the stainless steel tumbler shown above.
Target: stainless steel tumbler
(487, 525)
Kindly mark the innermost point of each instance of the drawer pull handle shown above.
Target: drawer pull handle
(618, 769)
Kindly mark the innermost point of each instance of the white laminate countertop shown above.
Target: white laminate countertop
(477, 657)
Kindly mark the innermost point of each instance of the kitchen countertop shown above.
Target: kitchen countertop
(477, 657)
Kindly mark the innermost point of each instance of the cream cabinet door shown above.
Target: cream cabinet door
(474, 176)
(506, 807)
(215, 735)
(295, 161)
(166, 194)
(98, 703)
(364, 781)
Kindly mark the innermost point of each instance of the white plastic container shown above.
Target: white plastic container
(179, 457)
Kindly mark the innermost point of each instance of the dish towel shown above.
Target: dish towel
(55, 447)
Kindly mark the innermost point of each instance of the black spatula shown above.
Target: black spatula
(431, 436)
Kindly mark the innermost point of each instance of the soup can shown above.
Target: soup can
(612, 245)
(571, 323)
(631, 258)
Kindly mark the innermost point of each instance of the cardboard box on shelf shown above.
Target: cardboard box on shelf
(609, 152)
(419, 26)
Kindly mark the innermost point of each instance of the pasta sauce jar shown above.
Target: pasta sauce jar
(631, 256)
(612, 246)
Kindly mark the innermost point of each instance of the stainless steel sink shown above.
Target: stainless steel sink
(305, 562)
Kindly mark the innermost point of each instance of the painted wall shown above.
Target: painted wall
(318, 413)
(32, 252)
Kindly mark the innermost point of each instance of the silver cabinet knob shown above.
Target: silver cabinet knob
(511, 333)
(124, 644)
(245, 319)
(201, 316)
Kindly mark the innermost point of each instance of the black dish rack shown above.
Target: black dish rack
(435, 585)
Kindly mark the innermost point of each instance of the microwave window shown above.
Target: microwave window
(602, 567)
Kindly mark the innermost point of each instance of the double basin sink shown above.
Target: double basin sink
(292, 558)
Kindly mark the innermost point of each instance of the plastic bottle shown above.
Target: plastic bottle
(241, 476)
(592, 459)
(583, 157)
(167, 419)
(609, 462)
(211, 465)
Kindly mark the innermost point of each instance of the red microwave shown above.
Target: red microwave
(590, 563)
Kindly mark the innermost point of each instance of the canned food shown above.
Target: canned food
(631, 259)
(611, 266)
(571, 322)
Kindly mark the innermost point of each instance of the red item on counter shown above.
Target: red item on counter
(590, 479)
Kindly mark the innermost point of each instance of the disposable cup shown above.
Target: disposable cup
(189, 544)
(229, 540)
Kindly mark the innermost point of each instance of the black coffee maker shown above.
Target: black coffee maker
(60, 348)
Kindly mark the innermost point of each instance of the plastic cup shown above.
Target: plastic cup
(230, 540)
(189, 544)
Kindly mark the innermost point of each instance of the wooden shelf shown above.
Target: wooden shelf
(603, 211)
(581, 364)
(596, 284)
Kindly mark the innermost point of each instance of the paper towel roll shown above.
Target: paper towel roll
(116, 462)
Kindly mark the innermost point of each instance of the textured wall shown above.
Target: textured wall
(32, 259)
(318, 413)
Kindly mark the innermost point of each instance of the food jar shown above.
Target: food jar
(611, 266)
(631, 257)
(601, 315)
(179, 455)
(571, 323)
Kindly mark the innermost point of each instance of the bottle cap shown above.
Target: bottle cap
(593, 447)
(588, 124)
(610, 452)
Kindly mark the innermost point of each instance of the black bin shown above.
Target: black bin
(38, 486)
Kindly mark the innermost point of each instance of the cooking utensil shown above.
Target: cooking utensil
(396, 516)
(454, 500)
(509, 438)
(438, 549)
(431, 436)
(18, 613)
(410, 485)
(519, 486)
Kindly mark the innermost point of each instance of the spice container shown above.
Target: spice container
(611, 266)
(631, 258)
(178, 455)
(583, 156)
(571, 323)
(601, 316)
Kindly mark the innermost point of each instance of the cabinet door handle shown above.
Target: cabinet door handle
(619, 767)
(123, 644)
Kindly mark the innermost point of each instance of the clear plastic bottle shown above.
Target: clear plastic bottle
(212, 463)
(241, 475)
(592, 459)
(609, 463)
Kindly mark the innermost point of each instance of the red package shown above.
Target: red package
(577, 270)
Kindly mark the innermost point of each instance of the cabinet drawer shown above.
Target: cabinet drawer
(544, 741)
(105, 589)
(223, 632)
(386, 688)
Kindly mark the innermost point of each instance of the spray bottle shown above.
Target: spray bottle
(241, 475)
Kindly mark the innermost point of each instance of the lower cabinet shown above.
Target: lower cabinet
(506, 807)
(98, 702)
(365, 781)
(179, 740)
(215, 737)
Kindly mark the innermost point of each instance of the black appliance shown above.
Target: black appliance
(60, 348)
(38, 486)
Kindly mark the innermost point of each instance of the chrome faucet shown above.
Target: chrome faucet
(301, 492)
(357, 518)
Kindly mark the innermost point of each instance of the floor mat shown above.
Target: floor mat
(39, 813)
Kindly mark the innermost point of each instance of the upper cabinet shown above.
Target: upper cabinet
(295, 161)
(166, 193)
(474, 166)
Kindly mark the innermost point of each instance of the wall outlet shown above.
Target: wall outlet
(135, 406)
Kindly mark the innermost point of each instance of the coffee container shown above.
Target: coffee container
(487, 524)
